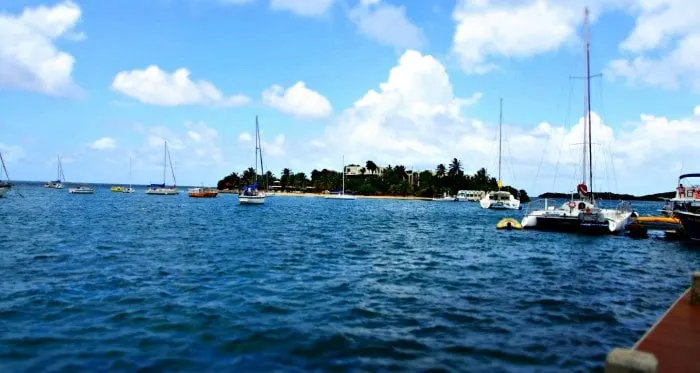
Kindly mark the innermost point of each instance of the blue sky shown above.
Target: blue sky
(411, 82)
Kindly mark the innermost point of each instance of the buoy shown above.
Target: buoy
(508, 223)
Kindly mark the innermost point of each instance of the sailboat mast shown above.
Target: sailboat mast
(500, 134)
(257, 138)
(165, 159)
(343, 174)
(588, 107)
(4, 168)
(129, 172)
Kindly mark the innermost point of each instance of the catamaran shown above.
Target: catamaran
(161, 189)
(500, 199)
(250, 195)
(581, 214)
(58, 183)
(6, 185)
(81, 190)
(341, 194)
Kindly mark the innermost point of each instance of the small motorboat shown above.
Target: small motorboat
(81, 190)
(202, 193)
(117, 189)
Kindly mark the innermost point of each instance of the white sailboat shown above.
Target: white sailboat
(58, 183)
(5, 185)
(250, 195)
(161, 189)
(500, 199)
(80, 189)
(582, 214)
(129, 189)
(342, 194)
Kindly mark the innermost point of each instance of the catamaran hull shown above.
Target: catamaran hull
(576, 224)
(690, 223)
(251, 200)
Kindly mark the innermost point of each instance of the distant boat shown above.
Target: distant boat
(342, 194)
(118, 189)
(250, 195)
(129, 189)
(685, 195)
(81, 190)
(500, 199)
(202, 192)
(5, 185)
(161, 189)
(444, 198)
(60, 179)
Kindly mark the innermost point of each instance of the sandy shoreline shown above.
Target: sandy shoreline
(319, 195)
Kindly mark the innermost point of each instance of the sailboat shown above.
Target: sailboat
(581, 214)
(58, 183)
(250, 195)
(500, 199)
(161, 189)
(129, 189)
(342, 194)
(6, 185)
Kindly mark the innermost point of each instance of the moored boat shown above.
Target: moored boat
(162, 189)
(58, 183)
(250, 195)
(499, 199)
(580, 214)
(117, 189)
(81, 190)
(341, 194)
(6, 185)
(202, 192)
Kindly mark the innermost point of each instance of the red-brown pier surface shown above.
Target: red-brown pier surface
(670, 345)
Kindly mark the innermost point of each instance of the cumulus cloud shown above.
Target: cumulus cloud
(29, 57)
(298, 100)
(387, 24)
(662, 48)
(415, 119)
(157, 87)
(245, 137)
(306, 8)
(103, 143)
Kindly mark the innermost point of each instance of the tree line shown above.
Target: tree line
(373, 180)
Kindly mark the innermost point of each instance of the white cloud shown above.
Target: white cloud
(387, 24)
(103, 143)
(157, 87)
(11, 153)
(415, 119)
(486, 32)
(298, 100)
(307, 8)
(245, 137)
(29, 58)
(663, 47)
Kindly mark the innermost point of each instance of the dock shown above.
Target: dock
(672, 344)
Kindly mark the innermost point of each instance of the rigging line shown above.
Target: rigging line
(612, 160)
(566, 127)
(172, 170)
(546, 144)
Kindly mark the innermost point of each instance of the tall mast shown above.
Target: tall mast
(58, 167)
(588, 110)
(165, 159)
(500, 134)
(257, 138)
(343, 173)
(129, 172)
(4, 168)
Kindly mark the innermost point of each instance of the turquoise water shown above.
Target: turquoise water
(124, 282)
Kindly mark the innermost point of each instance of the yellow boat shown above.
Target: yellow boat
(117, 189)
(509, 223)
(656, 222)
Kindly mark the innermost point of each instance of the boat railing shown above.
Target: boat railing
(541, 204)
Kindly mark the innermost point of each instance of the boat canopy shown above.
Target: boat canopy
(157, 185)
(684, 176)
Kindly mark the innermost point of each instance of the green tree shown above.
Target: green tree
(440, 171)
(371, 166)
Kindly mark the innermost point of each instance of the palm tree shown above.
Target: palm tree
(286, 178)
(300, 179)
(249, 175)
(371, 166)
(440, 170)
(401, 172)
(455, 168)
(362, 171)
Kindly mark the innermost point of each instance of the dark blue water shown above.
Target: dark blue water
(124, 282)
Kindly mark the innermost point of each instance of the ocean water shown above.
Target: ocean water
(119, 282)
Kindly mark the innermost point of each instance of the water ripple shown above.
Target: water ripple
(114, 282)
